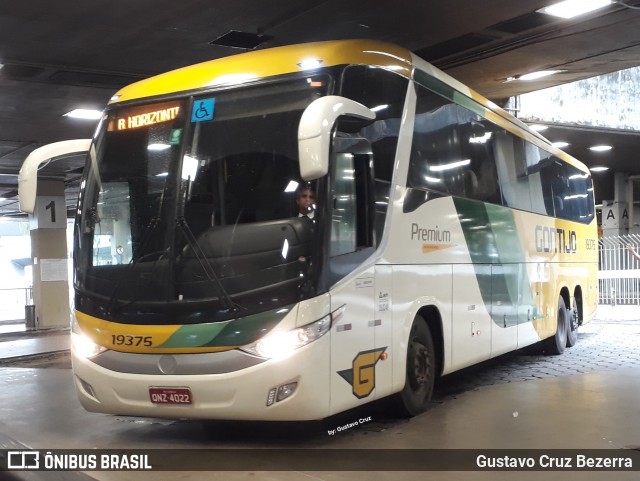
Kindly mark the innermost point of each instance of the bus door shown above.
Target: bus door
(354, 354)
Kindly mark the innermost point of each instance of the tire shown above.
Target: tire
(557, 343)
(420, 371)
(572, 327)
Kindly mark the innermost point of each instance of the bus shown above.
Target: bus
(444, 232)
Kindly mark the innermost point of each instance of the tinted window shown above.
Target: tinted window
(452, 150)
(384, 92)
(457, 152)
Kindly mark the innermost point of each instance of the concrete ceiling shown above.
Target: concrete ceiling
(67, 54)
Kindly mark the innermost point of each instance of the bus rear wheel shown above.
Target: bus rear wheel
(420, 373)
(557, 343)
(572, 329)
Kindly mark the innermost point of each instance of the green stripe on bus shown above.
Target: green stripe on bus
(448, 92)
(237, 332)
(249, 329)
(499, 262)
(194, 335)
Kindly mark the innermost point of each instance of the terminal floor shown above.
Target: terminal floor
(517, 402)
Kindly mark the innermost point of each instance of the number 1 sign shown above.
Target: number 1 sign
(50, 213)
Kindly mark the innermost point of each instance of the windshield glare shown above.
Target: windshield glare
(189, 210)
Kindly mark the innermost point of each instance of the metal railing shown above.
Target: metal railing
(13, 302)
(619, 273)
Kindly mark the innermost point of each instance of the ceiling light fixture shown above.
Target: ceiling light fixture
(560, 145)
(598, 169)
(600, 148)
(86, 114)
(572, 8)
(538, 127)
(539, 74)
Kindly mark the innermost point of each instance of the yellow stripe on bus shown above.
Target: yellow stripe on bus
(135, 337)
(277, 61)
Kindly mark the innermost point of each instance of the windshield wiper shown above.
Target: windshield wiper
(200, 255)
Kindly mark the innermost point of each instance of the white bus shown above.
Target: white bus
(444, 233)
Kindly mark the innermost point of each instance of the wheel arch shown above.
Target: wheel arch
(579, 303)
(432, 318)
(564, 293)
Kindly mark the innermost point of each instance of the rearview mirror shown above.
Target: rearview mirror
(314, 132)
(28, 176)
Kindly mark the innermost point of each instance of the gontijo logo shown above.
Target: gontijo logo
(553, 240)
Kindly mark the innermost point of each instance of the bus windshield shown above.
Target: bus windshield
(188, 212)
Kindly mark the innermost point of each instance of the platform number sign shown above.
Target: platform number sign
(51, 206)
(50, 213)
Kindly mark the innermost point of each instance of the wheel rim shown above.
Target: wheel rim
(419, 375)
(562, 322)
(574, 322)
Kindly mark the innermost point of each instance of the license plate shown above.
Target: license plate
(170, 395)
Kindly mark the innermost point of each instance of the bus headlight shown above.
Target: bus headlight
(82, 344)
(85, 347)
(282, 344)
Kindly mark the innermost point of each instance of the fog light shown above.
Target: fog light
(281, 393)
(286, 390)
(271, 398)
(87, 388)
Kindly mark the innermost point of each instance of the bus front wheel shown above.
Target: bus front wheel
(421, 371)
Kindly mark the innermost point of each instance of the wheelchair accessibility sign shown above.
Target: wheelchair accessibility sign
(203, 109)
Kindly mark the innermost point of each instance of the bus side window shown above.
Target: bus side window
(352, 211)
(385, 92)
(352, 215)
(344, 215)
(512, 172)
(451, 151)
(477, 146)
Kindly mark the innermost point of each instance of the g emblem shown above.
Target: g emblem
(362, 375)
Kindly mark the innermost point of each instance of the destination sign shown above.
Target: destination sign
(137, 117)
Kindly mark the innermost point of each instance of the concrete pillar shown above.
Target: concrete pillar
(615, 213)
(633, 183)
(48, 226)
